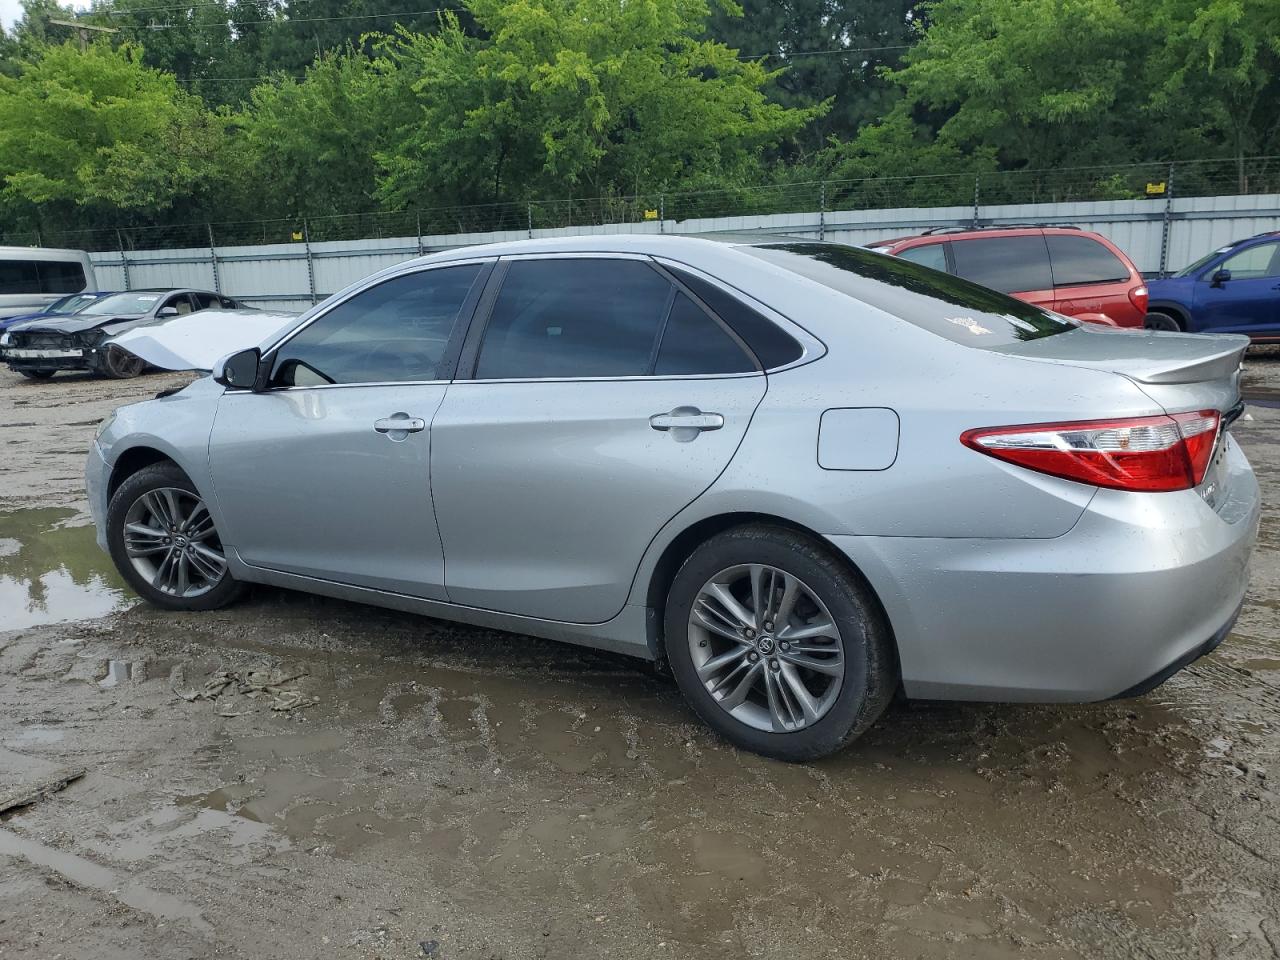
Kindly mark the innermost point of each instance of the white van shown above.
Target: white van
(33, 277)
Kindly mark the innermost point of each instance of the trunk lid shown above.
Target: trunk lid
(1179, 371)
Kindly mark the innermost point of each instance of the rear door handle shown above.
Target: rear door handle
(685, 423)
(400, 423)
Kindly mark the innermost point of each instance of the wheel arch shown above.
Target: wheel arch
(682, 545)
(133, 460)
(1173, 309)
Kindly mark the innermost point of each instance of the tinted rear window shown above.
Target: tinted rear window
(949, 306)
(571, 318)
(1083, 260)
(1007, 264)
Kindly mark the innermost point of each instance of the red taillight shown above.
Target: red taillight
(1139, 453)
(1139, 296)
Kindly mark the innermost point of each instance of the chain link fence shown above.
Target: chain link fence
(1163, 181)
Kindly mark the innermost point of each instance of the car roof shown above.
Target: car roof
(939, 234)
(170, 290)
(643, 244)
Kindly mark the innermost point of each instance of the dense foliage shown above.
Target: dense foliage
(246, 109)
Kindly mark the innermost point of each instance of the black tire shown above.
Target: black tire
(37, 374)
(1157, 320)
(870, 665)
(121, 365)
(152, 478)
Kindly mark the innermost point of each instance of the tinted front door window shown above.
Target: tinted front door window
(1256, 263)
(394, 332)
(1007, 264)
(574, 319)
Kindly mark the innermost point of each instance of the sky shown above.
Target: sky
(11, 10)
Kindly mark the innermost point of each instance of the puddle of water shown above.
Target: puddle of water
(86, 873)
(33, 736)
(52, 573)
(118, 671)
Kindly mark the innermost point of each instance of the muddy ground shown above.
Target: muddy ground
(392, 786)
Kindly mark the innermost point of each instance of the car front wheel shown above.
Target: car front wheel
(120, 364)
(776, 645)
(164, 542)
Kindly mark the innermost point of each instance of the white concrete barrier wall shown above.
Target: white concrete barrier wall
(287, 275)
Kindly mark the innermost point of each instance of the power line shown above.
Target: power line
(282, 20)
(200, 4)
(823, 53)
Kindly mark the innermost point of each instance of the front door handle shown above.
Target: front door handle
(400, 423)
(685, 423)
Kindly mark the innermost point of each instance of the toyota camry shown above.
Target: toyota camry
(802, 477)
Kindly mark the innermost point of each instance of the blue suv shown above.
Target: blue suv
(1235, 289)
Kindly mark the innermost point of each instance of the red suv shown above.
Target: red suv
(1072, 271)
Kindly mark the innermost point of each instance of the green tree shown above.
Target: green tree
(1215, 75)
(576, 96)
(1052, 83)
(309, 145)
(832, 50)
(96, 133)
(1040, 82)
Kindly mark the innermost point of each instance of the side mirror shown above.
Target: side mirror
(240, 370)
(167, 312)
(1219, 278)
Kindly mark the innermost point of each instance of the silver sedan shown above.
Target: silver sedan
(803, 477)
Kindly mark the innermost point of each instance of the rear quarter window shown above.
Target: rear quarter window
(931, 255)
(1079, 260)
(1007, 264)
(946, 305)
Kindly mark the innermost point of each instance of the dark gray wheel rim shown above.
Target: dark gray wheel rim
(171, 542)
(766, 648)
(1158, 321)
(122, 364)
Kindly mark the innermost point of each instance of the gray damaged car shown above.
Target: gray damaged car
(40, 348)
(803, 477)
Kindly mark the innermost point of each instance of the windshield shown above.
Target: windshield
(72, 304)
(947, 305)
(1202, 262)
(124, 303)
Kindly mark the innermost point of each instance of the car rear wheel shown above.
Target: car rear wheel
(120, 364)
(1162, 321)
(37, 374)
(776, 645)
(165, 544)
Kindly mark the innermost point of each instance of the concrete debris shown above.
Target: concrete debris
(252, 684)
(25, 794)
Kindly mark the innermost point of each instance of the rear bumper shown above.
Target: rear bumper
(1160, 676)
(1142, 585)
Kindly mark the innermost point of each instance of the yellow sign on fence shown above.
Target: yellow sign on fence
(651, 214)
(1155, 189)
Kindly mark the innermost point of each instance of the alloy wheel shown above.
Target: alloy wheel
(766, 648)
(170, 540)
